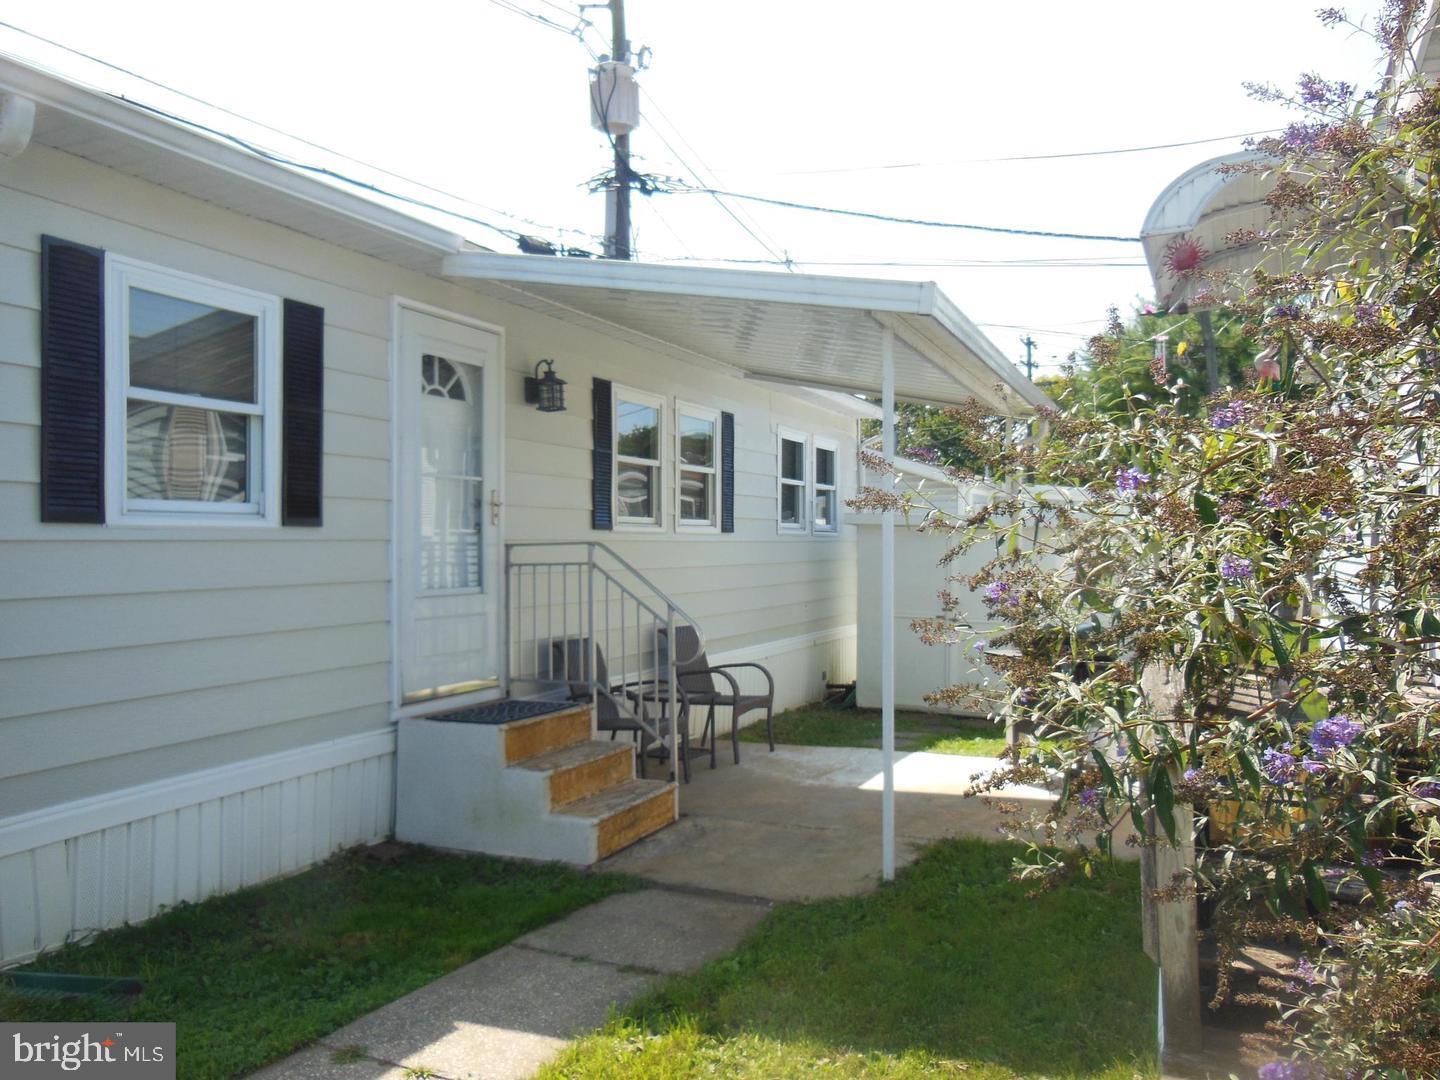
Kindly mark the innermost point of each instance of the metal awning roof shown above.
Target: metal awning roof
(1207, 205)
(801, 329)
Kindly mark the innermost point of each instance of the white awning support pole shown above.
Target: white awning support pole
(887, 615)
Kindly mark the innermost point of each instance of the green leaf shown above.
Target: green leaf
(1207, 508)
(1246, 761)
(1163, 796)
(1319, 895)
(1277, 642)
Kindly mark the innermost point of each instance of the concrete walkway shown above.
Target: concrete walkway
(503, 1016)
(801, 823)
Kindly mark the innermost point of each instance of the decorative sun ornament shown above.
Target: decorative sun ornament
(1183, 255)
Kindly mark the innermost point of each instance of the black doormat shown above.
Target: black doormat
(502, 712)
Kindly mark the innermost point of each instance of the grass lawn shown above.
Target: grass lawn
(950, 971)
(812, 725)
(249, 977)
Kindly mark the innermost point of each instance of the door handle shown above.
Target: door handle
(495, 508)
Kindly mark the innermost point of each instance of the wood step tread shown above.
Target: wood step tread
(535, 736)
(615, 800)
(571, 757)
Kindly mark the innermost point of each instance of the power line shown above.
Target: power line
(255, 149)
(1022, 157)
(577, 31)
(782, 260)
(1019, 264)
(873, 216)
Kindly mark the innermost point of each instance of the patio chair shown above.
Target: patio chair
(621, 707)
(710, 684)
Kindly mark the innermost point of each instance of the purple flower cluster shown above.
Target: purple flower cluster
(1001, 592)
(1277, 502)
(1321, 93)
(927, 454)
(1193, 776)
(1286, 311)
(1130, 479)
(1286, 1070)
(1302, 136)
(1235, 569)
(1334, 733)
(1374, 858)
(1224, 417)
(1307, 971)
(1090, 797)
(1428, 791)
(1367, 314)
(1277, 764)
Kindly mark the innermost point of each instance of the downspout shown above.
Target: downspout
(887, 614)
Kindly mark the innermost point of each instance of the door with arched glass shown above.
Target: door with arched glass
(448, 509)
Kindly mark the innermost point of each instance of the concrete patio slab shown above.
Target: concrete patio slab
(803, 823)
(657, 930)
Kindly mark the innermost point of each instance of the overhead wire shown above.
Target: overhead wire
(897, 220)
(783, 260)
(1070, 155)
(285, 159)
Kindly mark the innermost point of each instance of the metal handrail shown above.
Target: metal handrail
(665, 623)
(596, 545)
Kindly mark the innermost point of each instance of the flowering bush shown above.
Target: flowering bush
(1277, 556)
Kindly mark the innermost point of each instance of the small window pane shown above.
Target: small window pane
(790, 499)
(638, 430)
(176, 452)
(825, 466)
(792, 459)
(697, 441)
(188, 348)
(825, 509)
(635, 492)
(696, 502)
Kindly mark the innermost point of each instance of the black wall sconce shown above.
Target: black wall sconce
(546, 392)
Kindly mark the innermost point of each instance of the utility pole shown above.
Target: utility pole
(1029, 344)
(619, 240)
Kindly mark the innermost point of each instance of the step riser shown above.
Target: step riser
(569, 785)
(529, 739)
(636, 822)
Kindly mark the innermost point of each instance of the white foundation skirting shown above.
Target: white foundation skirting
(69, 870)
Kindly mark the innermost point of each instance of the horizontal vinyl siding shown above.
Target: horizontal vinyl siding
(131, 653)
(744, 588)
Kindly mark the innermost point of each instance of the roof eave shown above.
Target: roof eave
(173, 136)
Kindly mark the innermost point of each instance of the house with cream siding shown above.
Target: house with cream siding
(283, 534)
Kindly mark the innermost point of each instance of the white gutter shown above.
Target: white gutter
(907, 300)
(174, 137)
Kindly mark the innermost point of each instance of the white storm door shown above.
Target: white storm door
(448, 534)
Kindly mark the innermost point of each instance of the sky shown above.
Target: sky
(898, 108)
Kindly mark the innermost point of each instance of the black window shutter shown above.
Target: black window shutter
(72, 382)
(302, 435)
(602, 456)
(727, 472)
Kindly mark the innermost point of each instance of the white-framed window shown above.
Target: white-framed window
(639, 432)
(193, 398)
(793, 481)
(825, 483)
(697, 468)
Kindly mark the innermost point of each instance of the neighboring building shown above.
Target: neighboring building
(268, 476)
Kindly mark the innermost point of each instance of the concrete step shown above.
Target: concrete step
(583, 769)
(627, 812)
(538, 735)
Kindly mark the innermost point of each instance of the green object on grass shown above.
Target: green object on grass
(60, 983)
(254, 975)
